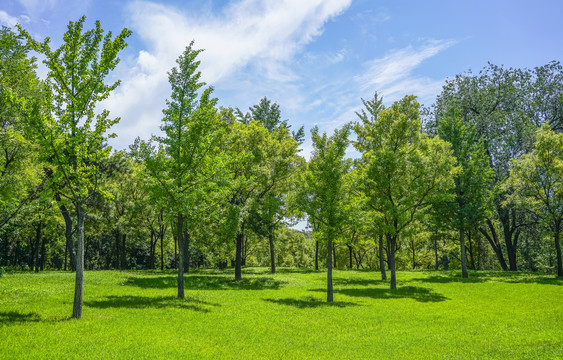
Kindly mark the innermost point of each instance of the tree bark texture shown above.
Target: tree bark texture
(79, 283)
(179, 236)
(329, 290)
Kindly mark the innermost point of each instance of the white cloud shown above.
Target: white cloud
(11, 21)
(263, 35)
(392, 77)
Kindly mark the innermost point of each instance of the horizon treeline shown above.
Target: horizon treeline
(472, 182)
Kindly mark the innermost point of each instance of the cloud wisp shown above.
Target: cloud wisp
(248, 33)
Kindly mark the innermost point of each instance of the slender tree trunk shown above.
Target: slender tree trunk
(493, 241)
(272, 254)
(350, 253)
(152, 254)
(558, 248)
(381, 259)
(238, 255)
(79, 284)
(329, 290)
(464, 273)
(392, 243)
(68, 233)
(179, 236)
(471, 250)
(317, 255)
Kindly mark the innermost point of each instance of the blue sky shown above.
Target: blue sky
(315, 58)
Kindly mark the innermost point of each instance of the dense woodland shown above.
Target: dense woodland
(472, 182)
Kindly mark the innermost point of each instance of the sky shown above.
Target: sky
(315, 58)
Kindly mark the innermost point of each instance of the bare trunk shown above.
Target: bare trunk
(238, 255)
(350, 249)
(179, 236)
(329, 290)
(79, 284)
(392, 243)
(161, 252)
(381, 259)
(493, 241)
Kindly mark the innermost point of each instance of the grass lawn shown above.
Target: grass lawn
(134, 314)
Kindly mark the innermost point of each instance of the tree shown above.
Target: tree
(470, 202)
(323, 190)
(403, 168)
(282, 162)
(536, 183)
(505, 107)
(71, 135)
(183, 166)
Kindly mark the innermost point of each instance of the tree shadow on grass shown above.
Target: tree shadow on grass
(419, 294)
(358, 282)
(206, 282)
(7, 317)
(158, 302)
(493, 276)
(310, 302)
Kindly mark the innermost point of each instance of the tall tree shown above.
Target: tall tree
(71, 135)
(324, 190)
(403, 169)
(184, 163)
(470, 202)
(536, 183)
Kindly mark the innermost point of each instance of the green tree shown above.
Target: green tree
(536, 183)
(71, 135)
(183, 167)
(403, 168)
(470, 202)
(323, 190)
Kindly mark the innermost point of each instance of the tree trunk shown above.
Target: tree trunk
(179, 237)
(79, 284)
(558, 248)
(68, 233)
(238, 255)
(493, 241)
(350, 253)
(329, 290)
(272, 254)
(381, 259)
(392, 243)
(464, 273)
(317, 255)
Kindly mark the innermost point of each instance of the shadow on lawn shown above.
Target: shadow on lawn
(493, 276)
(309, 302)
(420, 294)
(141, 302)
(358, 282)
(206, 282)
(17, 317)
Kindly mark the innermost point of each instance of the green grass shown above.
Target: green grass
(283, 316)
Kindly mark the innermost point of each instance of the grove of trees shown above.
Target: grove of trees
(473, 182)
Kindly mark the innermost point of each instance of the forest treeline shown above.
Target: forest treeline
(473, 182)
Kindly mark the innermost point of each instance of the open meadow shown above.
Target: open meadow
(135, 314)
